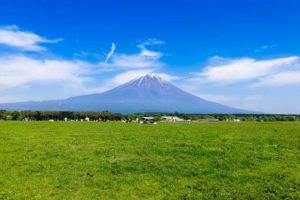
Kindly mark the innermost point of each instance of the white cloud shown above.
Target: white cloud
(64, 78)
(151, 54)
(280, 79)
(144, 59)
(151, 41)
(226, 71)
(265, 47)
(135, 61)
(20, 70)
(12, 36)
(148, 53)
(112, 50)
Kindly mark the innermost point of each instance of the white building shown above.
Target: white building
(145, 120)
(172, 119)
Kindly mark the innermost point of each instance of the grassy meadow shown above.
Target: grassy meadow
(81, 160)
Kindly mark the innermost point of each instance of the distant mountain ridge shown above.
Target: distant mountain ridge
(149, 93)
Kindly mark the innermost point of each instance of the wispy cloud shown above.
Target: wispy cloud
(151, 54)
(264, 85)
(143, 60)
(20, 71)
(265, 47)
(280, 79)
(12, 36)
(112, 50)
(151, 41)
(231, 71)
(134, 61)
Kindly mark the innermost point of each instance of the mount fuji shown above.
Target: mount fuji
(149, 93)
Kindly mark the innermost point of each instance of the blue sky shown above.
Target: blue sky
(239, 53)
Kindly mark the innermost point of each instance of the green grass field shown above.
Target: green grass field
(43, 160)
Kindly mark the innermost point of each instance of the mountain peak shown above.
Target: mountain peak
(148, 93)
(150, 76)
(147, 80)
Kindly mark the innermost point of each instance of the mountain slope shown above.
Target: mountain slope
(145, 94)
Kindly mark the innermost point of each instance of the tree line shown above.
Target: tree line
(58, 115)
(107, 115)
(224, 117)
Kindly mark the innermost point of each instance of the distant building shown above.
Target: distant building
(172, 119)
(146, 120)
